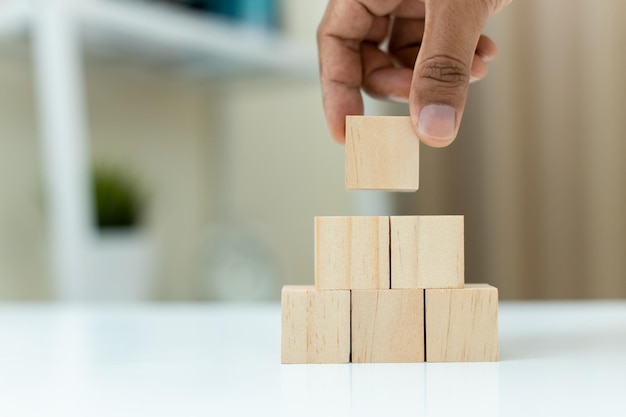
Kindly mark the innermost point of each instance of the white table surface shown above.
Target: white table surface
(557, 359)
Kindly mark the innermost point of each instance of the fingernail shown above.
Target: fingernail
(437, 121)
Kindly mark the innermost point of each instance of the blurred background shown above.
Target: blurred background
(177, 150)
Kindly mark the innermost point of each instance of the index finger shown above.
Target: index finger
(344, 26)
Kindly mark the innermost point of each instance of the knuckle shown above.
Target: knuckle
(492, 6)
(498, 4)
(485, 7)
(445, 70)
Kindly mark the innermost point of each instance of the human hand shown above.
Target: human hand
(452, 53)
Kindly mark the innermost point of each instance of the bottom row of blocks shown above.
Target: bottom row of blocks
(390, 325)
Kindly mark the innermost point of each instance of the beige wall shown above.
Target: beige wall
(22, 224)
(300, 17)
(283, 167)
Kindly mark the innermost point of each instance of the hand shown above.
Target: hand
(452, 53)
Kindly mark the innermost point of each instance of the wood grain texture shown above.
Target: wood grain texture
(427, 252)
(382, 153)
(352, 252)
(462, 324)
(388, 325)
(315, 325)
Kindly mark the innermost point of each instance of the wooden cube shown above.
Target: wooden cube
(352, 252)
(382, 153)
(315, 325)
(462, 324)
(427, 252)
(388, 325)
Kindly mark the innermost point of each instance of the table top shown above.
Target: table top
(557, 358)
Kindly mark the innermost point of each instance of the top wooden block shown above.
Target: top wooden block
(382, 153)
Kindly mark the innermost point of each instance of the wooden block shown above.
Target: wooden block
(315, 325)
(427, 252)
(462, 324)
(382, 153)
(388, 325)
(352, 253)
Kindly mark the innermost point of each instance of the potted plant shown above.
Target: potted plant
(118, 200)
(121, 256)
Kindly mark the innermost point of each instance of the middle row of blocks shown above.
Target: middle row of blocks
(383, 252)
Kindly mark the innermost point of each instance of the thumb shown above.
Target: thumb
(442, 70)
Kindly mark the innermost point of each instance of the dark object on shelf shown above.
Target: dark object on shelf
(263, 13)
(192, 4)
(117, 199)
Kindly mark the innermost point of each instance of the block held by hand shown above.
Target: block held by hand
(382, 153)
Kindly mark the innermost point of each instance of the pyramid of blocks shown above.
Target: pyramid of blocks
(388, 288)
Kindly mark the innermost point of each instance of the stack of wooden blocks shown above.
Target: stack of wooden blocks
(388, 288)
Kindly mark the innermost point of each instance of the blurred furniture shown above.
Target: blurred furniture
(141, 33)
(557, 358)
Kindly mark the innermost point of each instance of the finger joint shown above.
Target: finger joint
(446, 70)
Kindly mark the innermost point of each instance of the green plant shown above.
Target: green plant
(118, 200)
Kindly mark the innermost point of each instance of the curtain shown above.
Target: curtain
(539, 167)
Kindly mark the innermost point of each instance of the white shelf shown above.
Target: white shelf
(62, 31)
(13, 17)
(165, 35)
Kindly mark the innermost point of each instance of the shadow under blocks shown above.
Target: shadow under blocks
(388, 288)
